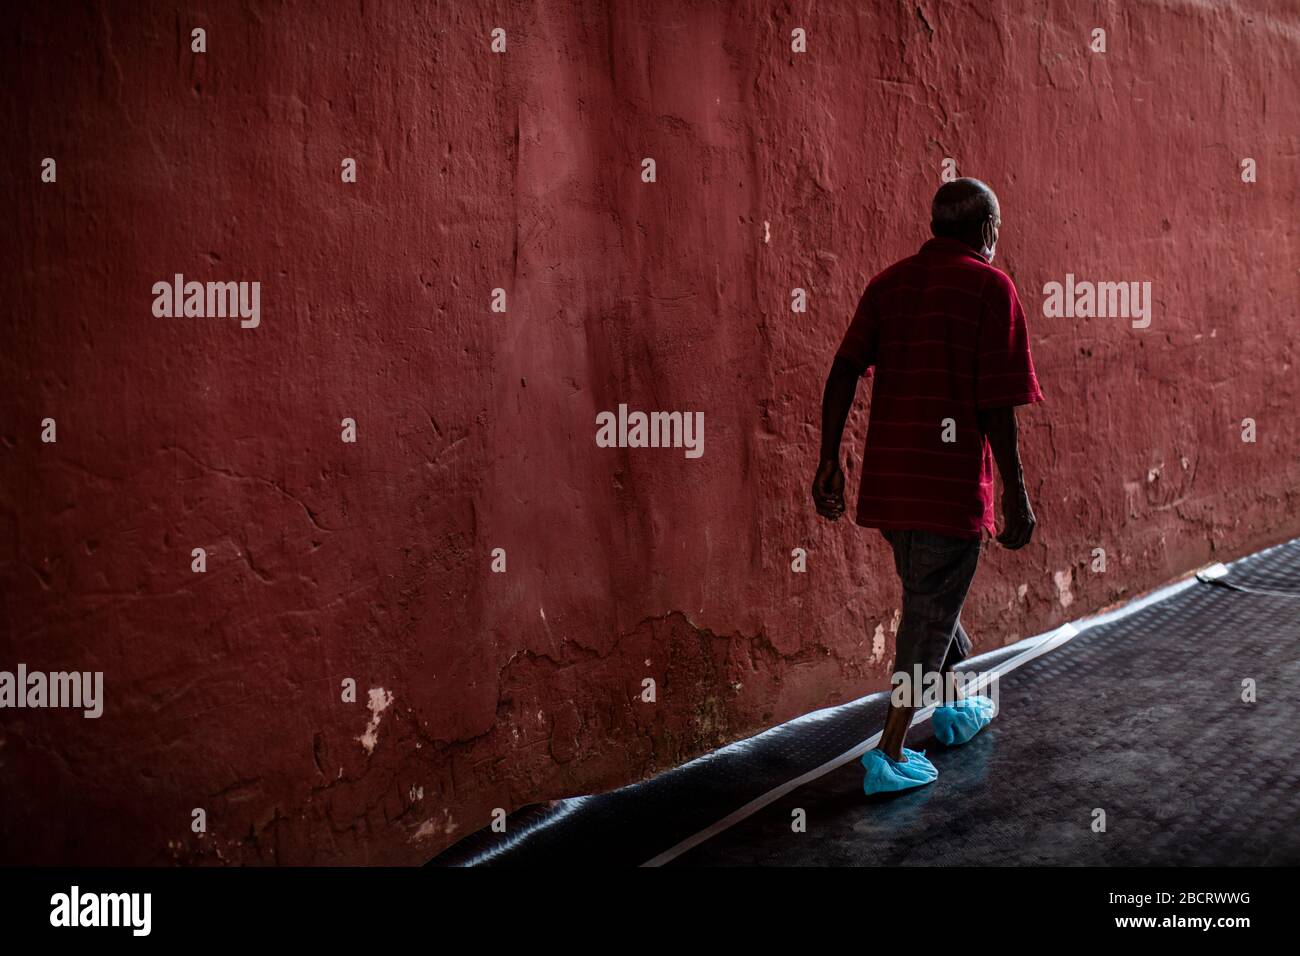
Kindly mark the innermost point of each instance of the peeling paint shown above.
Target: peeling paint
(431, 828)
(878, 644)
(1063, 579)
(426, 830)
(380, 699)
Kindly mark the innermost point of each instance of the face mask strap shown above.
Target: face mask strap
(985, 232)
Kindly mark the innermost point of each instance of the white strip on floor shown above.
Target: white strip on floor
(1035, 647)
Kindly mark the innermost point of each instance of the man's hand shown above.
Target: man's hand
(999, 427)
(828, 490)
(1017, 519)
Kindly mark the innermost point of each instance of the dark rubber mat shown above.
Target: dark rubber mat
(628, 826)
(1140, 718)
(1274, 569)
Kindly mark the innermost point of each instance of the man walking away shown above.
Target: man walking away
(946, 337)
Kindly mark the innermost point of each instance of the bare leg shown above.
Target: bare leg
(957, 652)
(935, 572)
(899, 719)
(895, 733)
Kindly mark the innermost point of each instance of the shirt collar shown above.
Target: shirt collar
(952, 247)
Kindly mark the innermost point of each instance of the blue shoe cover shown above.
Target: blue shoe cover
(886, 776)
(962, 721)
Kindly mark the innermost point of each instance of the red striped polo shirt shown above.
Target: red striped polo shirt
(946, 335)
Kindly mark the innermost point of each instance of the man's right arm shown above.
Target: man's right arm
(999, 425)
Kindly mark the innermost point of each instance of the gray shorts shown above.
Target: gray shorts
(936, 571)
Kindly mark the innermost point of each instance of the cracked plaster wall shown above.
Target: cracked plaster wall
(370, 561)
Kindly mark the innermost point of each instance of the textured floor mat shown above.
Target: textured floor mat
(628, 826)
(1274, 569)
(1140, 719)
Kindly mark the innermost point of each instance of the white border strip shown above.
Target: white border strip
(1037, 646)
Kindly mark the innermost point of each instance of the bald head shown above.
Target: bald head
(961, 208)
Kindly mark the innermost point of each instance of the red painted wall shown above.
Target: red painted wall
(476, 429)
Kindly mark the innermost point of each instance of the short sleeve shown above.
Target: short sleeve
(858, 346)
(1004, 368)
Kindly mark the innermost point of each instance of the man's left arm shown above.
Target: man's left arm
(1005, 379)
